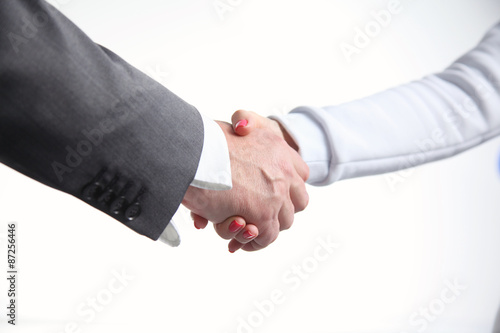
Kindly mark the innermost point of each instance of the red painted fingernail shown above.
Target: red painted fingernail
(235, 226)
(241, 123)
(248, 235)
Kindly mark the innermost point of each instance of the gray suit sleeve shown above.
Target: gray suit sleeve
(76, 117)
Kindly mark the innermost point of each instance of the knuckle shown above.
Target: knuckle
(287, 223)
(306, 172)
(303, 203)
(237, 115)
(286, 168)
(285, 226)
(270, 214)
(268, 237)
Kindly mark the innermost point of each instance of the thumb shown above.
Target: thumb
(245, 121)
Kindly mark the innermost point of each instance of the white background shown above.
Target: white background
(398, 245)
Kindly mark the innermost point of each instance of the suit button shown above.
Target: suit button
(133, 211)
(107, 197)
(117, 205)
(91, 191)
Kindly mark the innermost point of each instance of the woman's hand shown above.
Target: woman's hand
(246, 121)
(234, 228)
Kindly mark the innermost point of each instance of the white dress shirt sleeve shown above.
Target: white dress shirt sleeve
(213, 173)
(423, 121)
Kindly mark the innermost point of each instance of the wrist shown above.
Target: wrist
(283, 133)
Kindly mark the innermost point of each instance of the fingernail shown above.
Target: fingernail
(248, 235)
(235, 226)
(241, 123)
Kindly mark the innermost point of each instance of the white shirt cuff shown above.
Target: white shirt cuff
(313, 145)
(214, 171)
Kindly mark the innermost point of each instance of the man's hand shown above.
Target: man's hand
(268, 185)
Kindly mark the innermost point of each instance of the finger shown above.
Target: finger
(234, 245)
(286, 215)
(267, 235)
(298, 195)
(199, 222)
(230, 227)
(246, 235)
(300, 166)
(250, 247)
(245, 121)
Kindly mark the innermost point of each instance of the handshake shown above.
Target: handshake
(268, 177)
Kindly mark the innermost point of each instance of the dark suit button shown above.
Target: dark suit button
(133, 211)
(107, 197)
(91, 191)
(117, 205)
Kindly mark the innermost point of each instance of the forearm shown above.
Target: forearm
(427, 120)
(74, 114)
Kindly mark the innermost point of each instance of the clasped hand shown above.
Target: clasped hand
(268, 178)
